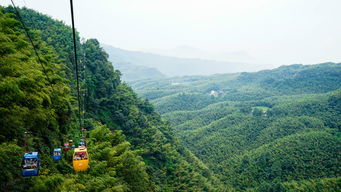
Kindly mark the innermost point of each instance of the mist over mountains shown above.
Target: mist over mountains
(185, 51)
(155, 66)
(271, 130)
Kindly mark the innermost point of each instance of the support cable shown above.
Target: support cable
(76, 63)
(32, 43)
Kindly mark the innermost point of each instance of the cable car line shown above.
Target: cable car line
(76, 63)
(31, 160)
(80, 158)
(32, 43)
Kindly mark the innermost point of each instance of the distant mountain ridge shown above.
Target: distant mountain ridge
(173, 66)
(185, 51)
(130, 71)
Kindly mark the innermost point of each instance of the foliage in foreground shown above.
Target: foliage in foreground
(131, 148)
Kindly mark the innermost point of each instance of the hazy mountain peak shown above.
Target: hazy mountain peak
(176, 66)
(186, 51)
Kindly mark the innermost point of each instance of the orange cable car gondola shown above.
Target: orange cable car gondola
(80, 159)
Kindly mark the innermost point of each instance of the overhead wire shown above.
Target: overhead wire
(43, 67)
(32, 43)
(76, 63)
(37, 55)
(27, 32)
(40, 60)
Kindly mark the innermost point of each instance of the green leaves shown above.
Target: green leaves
(253, 112)
(10, 160)
(112, 157)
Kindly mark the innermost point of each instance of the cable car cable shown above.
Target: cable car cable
(76, 63)
(32, 43)
(81, 113)
(25, 172)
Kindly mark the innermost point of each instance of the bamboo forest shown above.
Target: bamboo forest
(80, 115)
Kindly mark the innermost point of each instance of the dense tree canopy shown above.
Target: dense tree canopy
(131, 148)
(273, 130)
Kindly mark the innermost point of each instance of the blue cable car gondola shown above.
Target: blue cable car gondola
(57, 154)
(30, 164)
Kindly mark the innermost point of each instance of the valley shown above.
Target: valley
(80, 115)
(266, 129)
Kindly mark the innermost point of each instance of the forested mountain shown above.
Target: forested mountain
(285, 80)
(131, 148)
(173, 66)
(273, 130)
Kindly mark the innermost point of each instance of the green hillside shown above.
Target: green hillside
(131, 148)
(273, 130)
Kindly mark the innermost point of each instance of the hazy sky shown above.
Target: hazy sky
(272, 32)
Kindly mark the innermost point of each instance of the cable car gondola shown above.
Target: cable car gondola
(82, 143)
(80, 159)
(57, 154)
(66, 147)
(30, 164)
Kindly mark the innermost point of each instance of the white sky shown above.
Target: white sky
(272, 32)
